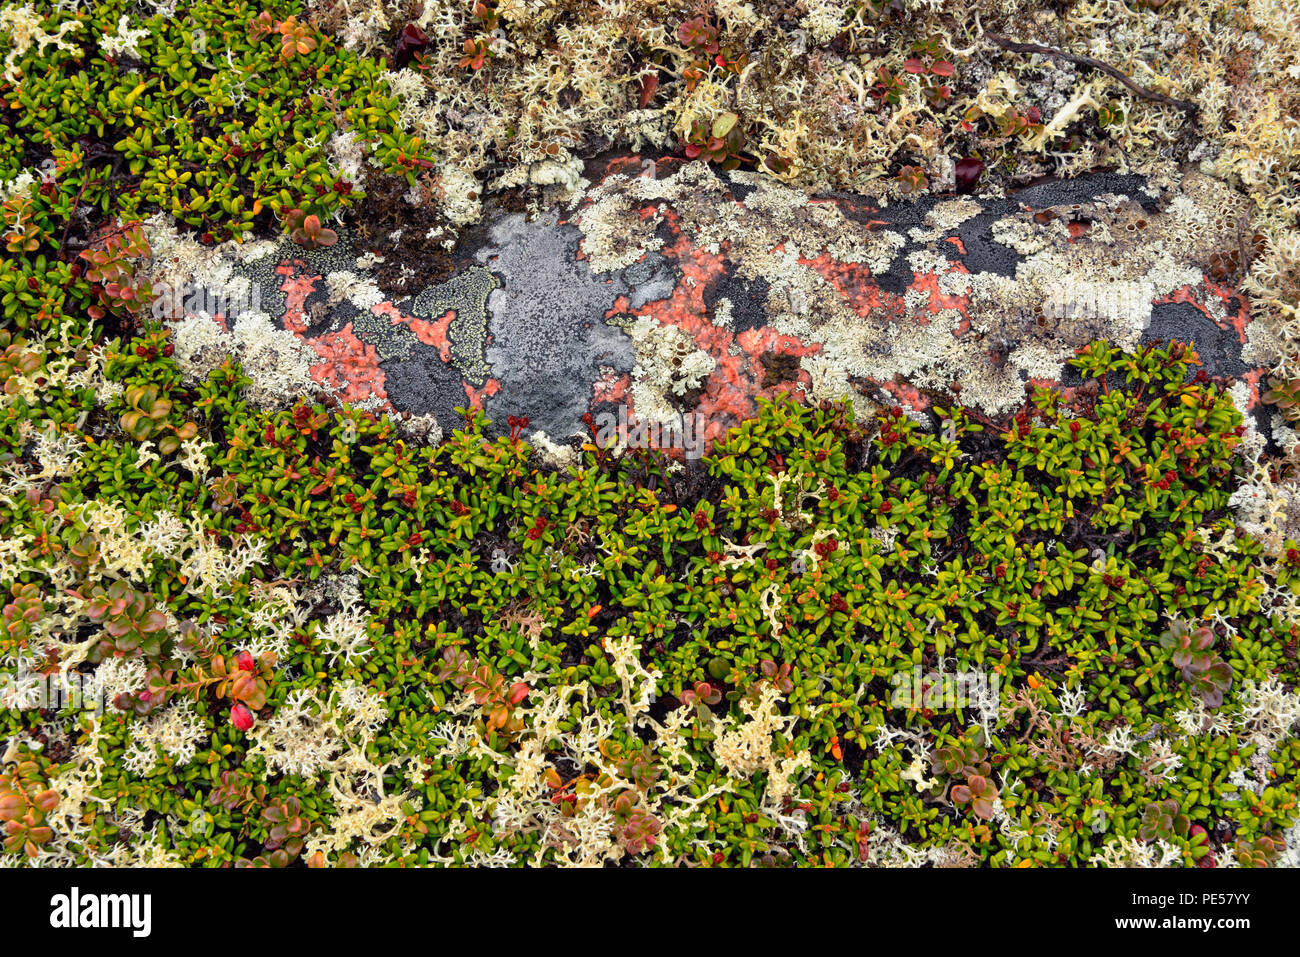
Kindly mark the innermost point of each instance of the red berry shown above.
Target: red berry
(244, 661)
(241, 717)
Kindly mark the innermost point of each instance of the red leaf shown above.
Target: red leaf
(942, 68)
(649, 83)
(410, 41)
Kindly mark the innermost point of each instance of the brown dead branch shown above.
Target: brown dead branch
(1010, 45)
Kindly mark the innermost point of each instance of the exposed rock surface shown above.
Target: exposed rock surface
(669, 287)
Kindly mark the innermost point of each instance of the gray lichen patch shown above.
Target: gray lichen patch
(391, 342)
(650, 279)
(546, 320)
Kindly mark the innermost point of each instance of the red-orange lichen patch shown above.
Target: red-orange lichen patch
(431, 333)
(351, 366)
(476, 396)
(620, 305)
(1253, 378)
(1238, 316)
(611, 387)
(928, 282)
(730, 390)
(906, 394)
(858, 209)
(854, 282)
(622, 164)
(297, 286)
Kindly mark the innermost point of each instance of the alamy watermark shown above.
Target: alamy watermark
(27, 690)
(174, 301)
(683, 432)
(944, 691)
(77, 910)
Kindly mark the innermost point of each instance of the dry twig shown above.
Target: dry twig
(1010, 45)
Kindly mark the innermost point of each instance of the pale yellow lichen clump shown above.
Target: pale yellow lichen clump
(668, 364)
(587, 831)
(23, 25)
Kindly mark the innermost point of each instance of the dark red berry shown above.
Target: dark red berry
(968, 173)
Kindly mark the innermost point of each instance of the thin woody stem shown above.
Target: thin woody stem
(1010, 45)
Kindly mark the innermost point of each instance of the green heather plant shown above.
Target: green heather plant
(721, 142)
(286, 828)
(199, 130)
(306, 230)
(112, 270)
(24, 610)
(1285, 394)
(15, 360)
(1261, 852)
(1208, 674)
